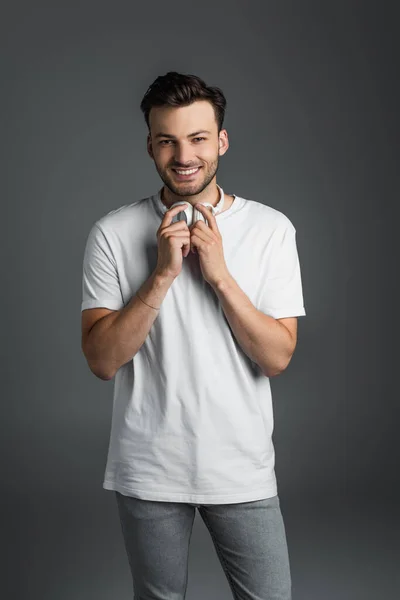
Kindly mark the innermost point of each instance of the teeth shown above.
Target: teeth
(189, 172)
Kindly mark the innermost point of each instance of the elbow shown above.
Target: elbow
(271, 372)
(104, 376)
(99, 370)
(104, 372)
(101, 373)
(275, 370)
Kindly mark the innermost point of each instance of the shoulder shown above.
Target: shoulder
(121, 231)
(119, 218)
(266, 216)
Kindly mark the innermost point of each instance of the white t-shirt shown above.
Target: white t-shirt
(192, 416)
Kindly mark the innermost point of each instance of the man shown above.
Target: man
(193, 307)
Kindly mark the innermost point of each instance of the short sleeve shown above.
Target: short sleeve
(100, 282)
(281, 289)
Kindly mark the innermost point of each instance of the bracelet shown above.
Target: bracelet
(146, 303)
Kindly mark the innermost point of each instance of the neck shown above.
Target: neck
(209, 194)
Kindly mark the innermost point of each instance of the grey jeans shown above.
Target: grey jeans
(249, 539)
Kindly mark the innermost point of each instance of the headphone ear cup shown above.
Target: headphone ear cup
(189, 214)
(200, 216)
(197, 216)
(185, 215)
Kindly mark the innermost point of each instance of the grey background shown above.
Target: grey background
(312, 109)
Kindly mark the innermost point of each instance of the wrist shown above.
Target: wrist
(223, 283)
(162, 279)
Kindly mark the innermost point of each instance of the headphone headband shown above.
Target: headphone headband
(190, 214)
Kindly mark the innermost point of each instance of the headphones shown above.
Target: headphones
(190, 214)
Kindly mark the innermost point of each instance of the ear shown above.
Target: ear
(223, 142)
(149, 146)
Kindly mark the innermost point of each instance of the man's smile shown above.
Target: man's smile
(183, 174)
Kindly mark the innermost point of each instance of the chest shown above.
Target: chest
(243, 252)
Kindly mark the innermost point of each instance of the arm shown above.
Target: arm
(269, 341)
(266, 340)
(116, 338)
(110, 338)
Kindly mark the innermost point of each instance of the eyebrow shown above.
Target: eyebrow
(167, 135)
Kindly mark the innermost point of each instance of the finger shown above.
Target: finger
(196, 244)
(176, 234)
(178, 226)
(207, 213)
(186, 249)
(201, 226)
(182, 240)
(204, 236)
(170, 214)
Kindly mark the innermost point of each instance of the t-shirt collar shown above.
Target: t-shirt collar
(162, 209)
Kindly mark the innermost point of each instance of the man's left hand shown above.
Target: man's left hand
(207, 240)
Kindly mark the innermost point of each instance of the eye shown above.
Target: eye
(199, 138)
(165, 142)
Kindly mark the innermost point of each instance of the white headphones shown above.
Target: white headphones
(190, 214)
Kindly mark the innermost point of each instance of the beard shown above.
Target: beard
(189, 188)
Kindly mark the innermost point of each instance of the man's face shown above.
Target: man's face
(186, 138)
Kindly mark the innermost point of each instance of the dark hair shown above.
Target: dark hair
(176, 89)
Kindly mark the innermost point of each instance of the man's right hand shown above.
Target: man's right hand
(173, 244)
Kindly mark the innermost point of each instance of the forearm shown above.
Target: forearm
(117, 337)
(265, 341)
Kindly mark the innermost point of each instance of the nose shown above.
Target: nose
(183, 155)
